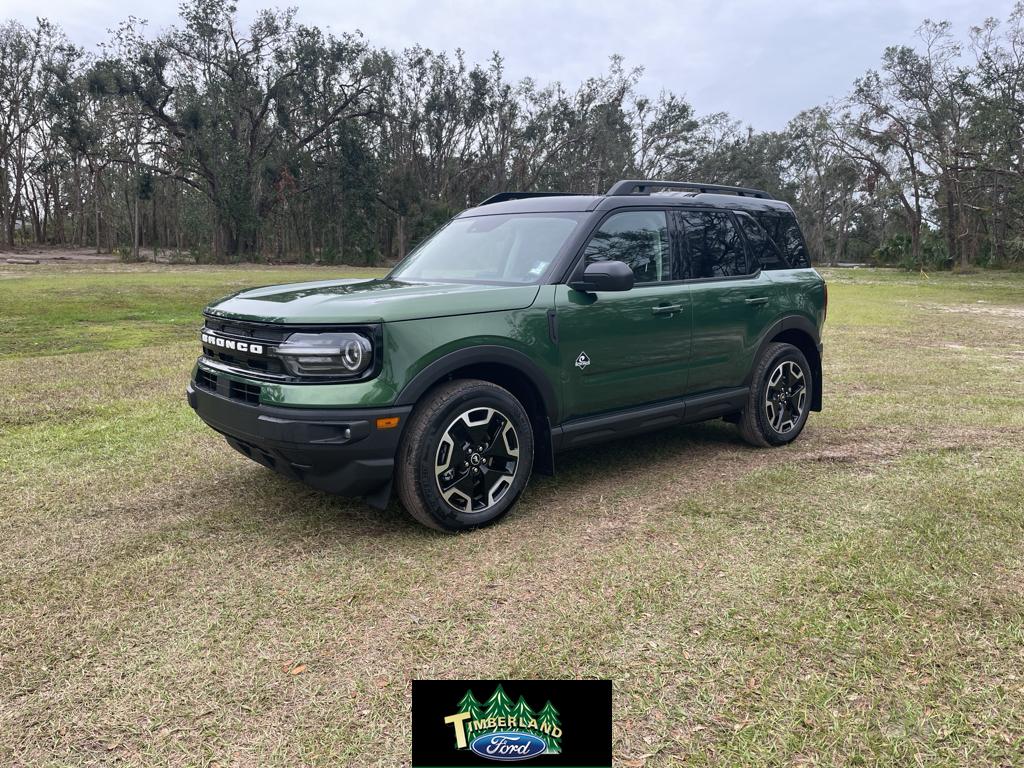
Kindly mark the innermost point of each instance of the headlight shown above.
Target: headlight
(326, 354)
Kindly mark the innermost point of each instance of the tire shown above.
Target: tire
(444, 479)
(780, 397)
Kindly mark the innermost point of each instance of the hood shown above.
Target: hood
(369, 301)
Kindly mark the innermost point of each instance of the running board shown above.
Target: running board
(647, 418)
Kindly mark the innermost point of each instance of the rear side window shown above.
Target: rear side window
(784, 231)
(638, 238)
(763, 251)
(712, 245)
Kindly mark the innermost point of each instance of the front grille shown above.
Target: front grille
(273, 334)
(222, 385)
(250, 333)
(206, 380)
(245, 362)
(249, 393)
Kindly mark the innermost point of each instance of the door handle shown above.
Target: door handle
(666, 309)
(758, 300)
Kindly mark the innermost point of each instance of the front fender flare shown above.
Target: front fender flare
(481, 355)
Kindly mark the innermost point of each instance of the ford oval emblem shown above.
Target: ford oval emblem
(508, 745)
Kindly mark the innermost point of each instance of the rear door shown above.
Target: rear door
(732, 299)
(625, 348)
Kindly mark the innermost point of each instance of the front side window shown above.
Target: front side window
(503, 248)
(713, 246)
(638, 238)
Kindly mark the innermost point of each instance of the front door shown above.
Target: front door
(625, 348)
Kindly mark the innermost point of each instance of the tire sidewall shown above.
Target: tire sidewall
(790, 353)
(447, 516)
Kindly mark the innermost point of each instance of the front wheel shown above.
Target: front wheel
(465, 457)
(780, 397)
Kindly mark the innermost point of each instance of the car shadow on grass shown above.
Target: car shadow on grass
(693, 450)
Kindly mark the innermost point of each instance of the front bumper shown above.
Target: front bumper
(335, 450)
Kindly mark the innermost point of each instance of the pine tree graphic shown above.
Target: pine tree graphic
(499, 705)
(523, 713)
(549, 717)
(470, 704)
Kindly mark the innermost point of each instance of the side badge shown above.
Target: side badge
(582, 361)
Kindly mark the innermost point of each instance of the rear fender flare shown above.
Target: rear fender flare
(793, 323)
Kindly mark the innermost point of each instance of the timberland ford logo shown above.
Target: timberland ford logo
(240, 346)
(501, 729)
(508, 746)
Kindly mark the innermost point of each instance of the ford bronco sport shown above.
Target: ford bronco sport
(528, 325)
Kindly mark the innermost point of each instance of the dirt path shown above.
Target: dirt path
(55, 256)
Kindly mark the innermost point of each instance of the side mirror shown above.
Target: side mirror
(604, 276)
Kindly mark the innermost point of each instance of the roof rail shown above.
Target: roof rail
(642, 187)
(502, 197)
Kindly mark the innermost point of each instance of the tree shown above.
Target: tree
(232, 109)
(522, 711)
(470, 704)
(28, 59)
(994, 146)
(548, 719)
(286, 141)
(826, 183)
(499, 705)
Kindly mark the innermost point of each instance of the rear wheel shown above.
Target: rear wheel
(780, 397)
(465, 457)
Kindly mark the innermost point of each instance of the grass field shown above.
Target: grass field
(854, 599)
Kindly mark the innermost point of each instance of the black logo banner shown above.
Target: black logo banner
(487, 723)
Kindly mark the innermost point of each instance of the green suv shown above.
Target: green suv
(531, 324)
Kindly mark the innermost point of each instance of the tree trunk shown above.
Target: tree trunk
(78, 231)
(915, 243)
(154, 229)
(400, 236)
(842, 237)
(135, 226)
(951, 220)
(96, 207)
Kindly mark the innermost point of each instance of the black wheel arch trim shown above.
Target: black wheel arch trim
(794, 323)
(485, 354)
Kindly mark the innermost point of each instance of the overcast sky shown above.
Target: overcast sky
(761, 61)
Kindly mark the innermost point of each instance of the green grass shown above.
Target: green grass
(110, 307)
(854, 599)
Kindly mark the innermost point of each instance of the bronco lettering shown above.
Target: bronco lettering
(239, 346)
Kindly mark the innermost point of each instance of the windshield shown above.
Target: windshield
(509, 248)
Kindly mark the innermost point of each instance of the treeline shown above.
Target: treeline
(280, 140)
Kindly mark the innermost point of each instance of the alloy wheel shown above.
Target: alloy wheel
(785, 397)
(477, 459)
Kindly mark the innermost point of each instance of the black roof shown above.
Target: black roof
(630, 193)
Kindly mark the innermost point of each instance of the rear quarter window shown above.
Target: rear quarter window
(763, 250)
(784, 231)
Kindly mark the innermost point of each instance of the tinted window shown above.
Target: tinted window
(507, 248)
(714, 247)
(638, 238)
(785, 233)
(763, 251)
